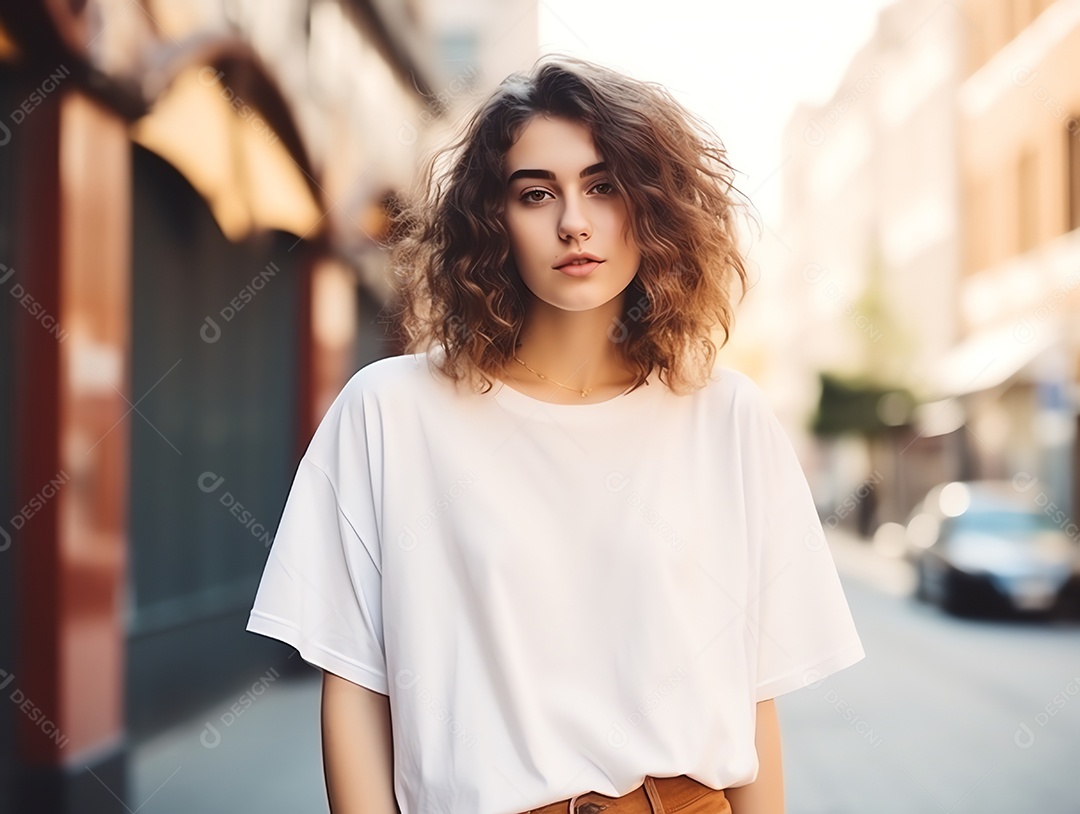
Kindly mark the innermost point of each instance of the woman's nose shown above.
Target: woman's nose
(574, 223)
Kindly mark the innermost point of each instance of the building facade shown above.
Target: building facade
(194, 198)
(1017, 366)
(871, 220)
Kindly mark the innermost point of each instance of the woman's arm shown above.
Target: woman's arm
(766, 794)
(358, 751)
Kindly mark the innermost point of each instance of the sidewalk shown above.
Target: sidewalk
(267, 759)
(857, 559)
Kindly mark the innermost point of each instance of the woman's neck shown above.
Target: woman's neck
(578, 349)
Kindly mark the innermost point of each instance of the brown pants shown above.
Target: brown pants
(657, 795)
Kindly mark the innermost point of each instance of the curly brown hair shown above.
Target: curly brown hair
(456, 281)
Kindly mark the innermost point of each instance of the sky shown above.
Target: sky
(742, 66)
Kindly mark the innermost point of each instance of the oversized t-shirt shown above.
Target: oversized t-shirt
(557, 598)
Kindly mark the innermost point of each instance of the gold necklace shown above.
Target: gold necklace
(584, 393)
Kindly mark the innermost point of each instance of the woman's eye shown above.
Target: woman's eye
(526, 196)
(608, 184)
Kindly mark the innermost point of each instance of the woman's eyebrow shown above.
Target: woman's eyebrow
(550, 176)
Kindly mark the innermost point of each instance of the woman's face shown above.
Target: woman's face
(559, 201)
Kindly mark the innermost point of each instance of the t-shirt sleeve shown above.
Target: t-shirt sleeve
(321, 587)
(798, 613)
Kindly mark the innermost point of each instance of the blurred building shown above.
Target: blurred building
(1016, 369)
(193, 197)
(871, 221)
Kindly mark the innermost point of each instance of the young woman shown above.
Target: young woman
(555, 558)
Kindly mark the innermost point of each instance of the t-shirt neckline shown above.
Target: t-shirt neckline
(516, 400)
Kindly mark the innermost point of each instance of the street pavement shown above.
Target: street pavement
(965, 716)
(267, 760)
(944, 715)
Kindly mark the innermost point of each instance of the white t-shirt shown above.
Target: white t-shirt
(557, 598)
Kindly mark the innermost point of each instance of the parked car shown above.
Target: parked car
(986, 546)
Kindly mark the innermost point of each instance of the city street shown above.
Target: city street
(944, 715)
(255, 256)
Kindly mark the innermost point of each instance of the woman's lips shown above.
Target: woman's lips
(579, 269)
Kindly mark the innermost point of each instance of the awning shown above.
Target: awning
(231, 155)
(994, 356)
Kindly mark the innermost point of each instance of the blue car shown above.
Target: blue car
(989, 547)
